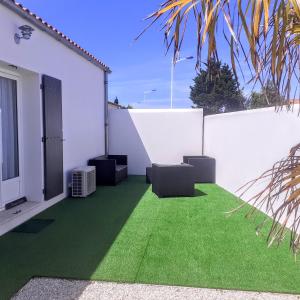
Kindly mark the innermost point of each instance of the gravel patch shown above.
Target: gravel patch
(61, 289)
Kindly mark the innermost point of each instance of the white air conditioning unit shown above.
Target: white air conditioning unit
(83, 181)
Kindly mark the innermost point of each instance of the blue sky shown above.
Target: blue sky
(107, 29)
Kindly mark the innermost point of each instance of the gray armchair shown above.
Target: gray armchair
(205, 168)
(173, 180)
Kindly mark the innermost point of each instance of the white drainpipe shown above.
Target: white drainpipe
(106, 111)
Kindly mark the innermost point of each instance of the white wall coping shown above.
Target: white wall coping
(255, 111)
(162, 110)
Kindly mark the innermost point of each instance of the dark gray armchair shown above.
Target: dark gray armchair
(205, 168)
(173, 180)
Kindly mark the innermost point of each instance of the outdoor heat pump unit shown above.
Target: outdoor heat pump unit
(83, 181)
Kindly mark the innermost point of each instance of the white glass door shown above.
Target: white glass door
(10, 167)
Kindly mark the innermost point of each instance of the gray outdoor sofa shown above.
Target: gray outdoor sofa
(110, 169)
(173, 180)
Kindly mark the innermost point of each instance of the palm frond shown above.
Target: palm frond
(264, 33)
(280, 199)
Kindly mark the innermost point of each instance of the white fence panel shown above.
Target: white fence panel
(155, 135)
(247, 143)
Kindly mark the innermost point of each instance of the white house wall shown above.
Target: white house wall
(155, 136)
(82, 90)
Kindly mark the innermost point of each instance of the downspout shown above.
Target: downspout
(106, 112)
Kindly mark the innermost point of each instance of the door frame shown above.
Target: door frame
(14, 76)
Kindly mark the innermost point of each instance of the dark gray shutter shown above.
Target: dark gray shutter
(53, 137)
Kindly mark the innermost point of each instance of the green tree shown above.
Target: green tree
(268, 96)
(216, 89)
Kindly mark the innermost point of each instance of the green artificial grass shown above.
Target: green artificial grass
(33, 226)
(126, 234)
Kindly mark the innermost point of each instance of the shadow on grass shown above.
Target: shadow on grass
(199, 193)
(75, 244)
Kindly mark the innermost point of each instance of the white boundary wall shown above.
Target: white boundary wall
(247, 143)
(155, 135)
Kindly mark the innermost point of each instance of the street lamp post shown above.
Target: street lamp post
(173, 63)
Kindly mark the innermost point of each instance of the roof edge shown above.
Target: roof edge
(53, 32)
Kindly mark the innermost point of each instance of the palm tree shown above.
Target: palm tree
(265, 35)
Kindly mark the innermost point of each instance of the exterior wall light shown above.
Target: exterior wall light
(26, 32)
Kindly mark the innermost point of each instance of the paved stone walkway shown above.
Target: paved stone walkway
(60, 289)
